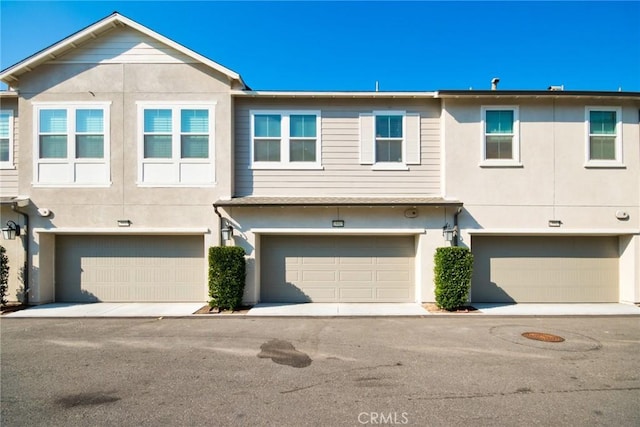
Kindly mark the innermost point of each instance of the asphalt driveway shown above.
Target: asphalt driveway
(436, 371)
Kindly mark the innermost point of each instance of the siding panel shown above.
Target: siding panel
(124, 46)
(342, 173)
(9, 177)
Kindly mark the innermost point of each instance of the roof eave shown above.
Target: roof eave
(330, 94)
(476, 94)
(347, 202)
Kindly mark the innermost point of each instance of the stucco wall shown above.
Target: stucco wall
(251, 222)
(161, 208)
(553, 182)
(15, 254)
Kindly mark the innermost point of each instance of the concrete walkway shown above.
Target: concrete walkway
(600, 309)
(338, 309)
(318, 310)
(109, 309)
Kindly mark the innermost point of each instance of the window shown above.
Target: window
(285, 139)
(500, 138)
(176, 144)
(6, 139)
(604, 142)
(72, 144)
(390, 139)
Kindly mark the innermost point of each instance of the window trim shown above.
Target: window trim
(515, 160)
(390, 165)
(618, 161)
(71, 160)
(285, 140)
(176, 157)
(9, 164)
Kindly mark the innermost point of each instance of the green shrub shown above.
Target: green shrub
(227, 269)
(4, 276)
(453, 269)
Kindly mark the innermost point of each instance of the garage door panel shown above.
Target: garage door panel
(327, 293)
(130, 268)
(319, 276)
(348, 294)
(356, 276)
(392, 295)
(337, 268)
(353, 260)
(545, 269)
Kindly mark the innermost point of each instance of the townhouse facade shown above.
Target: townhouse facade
(129, 155)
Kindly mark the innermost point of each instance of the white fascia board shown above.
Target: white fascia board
(342, 231)
(177, 46)
(97, 28)
(551, 232)
(122, 231)
(332, 94)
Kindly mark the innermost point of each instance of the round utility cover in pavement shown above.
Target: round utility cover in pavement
(572, 341)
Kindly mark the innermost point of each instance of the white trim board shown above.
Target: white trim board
(123, 231)
(556, 232)
(341, 231)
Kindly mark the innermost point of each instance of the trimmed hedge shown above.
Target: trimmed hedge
(227, 269)
(453, 270)
(4, 276)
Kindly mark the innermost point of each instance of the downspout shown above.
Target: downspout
(25, 270)
(455, 226)
(215, 209)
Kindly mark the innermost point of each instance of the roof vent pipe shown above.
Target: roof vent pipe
(494, 83)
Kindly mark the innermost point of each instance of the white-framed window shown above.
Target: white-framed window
(176, 144)
(285, 139)
(603, 136)
(390, 139)
(6, 139)
(71, 146)
(500, 136)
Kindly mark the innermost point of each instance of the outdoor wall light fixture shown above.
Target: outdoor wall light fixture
(227, 232)
(449, 232)
(11, 231)
(124, 223)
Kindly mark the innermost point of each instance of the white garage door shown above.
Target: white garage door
(130, 269)
(545, 269)
(337, 269)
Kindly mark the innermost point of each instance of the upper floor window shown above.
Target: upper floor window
(6, 139)
(176, 144)
(500, 137)
(285, 139)
(389, 139)
(72, 144)
(604, 142)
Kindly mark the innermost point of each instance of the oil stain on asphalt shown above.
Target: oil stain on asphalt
(284, 353)
(86, 399)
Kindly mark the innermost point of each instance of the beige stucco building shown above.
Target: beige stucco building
(557, 217)
(129, 154)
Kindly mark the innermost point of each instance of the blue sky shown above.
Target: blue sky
(418, 45)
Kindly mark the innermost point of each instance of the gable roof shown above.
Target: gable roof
(93, 31)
